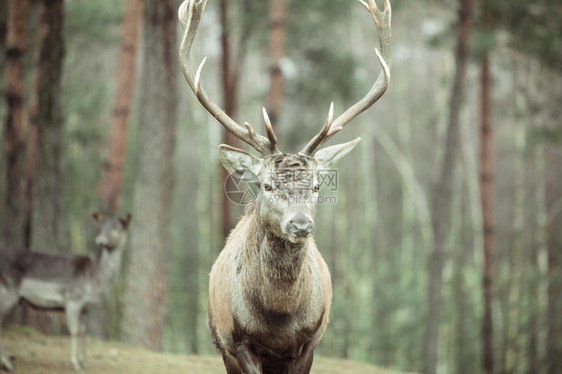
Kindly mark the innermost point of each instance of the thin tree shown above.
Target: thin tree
(46, 77)
(442, 197)
(277, 35)
(512, 356)
(14, 129)
(125, 76)
(538, 223)
(553, 192)
(112, 179)
(230, 80)
(554, 245)
(487, 201)
(234, 50)
(3, 31)
(145, 289)
(47, 178)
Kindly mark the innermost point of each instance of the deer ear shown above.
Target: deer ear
(126, 220)
(98, 217)
(239, 163)
(326, 157)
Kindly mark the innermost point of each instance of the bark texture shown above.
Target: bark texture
(277, 36)
(125, 78)
(14, 125)
(47, 178)
(145, 290)
(553, 156)
(487, 200)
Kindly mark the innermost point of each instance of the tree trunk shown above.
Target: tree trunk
(230, 103)
(230, 80)
(442, 197)
(47, 178)
(125, 76)
(35, 13)
(145, 290)
(537, 273)
(277, 25)
(554, 245)
(14, 131)
(487, 195)
(3, 32)
(518, 249)
(553, 190)
(44, 121)
(110, 185)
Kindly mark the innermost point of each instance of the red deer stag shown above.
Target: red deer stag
(68, 283)
(270, 290)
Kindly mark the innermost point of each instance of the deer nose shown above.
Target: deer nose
(301, 226)
(101, 240)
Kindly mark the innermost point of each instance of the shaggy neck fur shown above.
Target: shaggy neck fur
(280, 274)
(108, 265)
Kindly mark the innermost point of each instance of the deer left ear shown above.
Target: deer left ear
(328, 156)
(240, 163)
(98, 217)
(126, 220)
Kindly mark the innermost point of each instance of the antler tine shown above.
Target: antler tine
(382, 21)
(189, 14)
(270, 133)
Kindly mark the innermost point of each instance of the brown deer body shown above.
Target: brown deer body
(48, 281)
(270, 289)
(271, 313)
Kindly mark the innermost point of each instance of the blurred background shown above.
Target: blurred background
(445, 244)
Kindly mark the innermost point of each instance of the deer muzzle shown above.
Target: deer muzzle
(101, 240)
(299, 227)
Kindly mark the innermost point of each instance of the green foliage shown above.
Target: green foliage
(313, 88)
(481, 41)
(252, 18)
(534, 27)
(92, 19)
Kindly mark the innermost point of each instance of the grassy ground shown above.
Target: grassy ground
(34, 353)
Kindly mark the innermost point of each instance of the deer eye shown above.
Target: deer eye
(316, 188)
(267, 187)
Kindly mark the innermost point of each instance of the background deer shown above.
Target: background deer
(270, 289)
(66, 283)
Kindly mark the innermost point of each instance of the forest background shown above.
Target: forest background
(445, 243)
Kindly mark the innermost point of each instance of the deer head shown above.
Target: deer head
(288, 182)
(111, 231)
(289, 186)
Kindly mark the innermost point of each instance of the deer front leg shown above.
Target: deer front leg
(82, 341)
(247, 360)
(4, 360)
(8, 300)
(303, 364)
(230, 363)
(73, 311)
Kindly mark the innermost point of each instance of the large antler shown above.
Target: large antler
(331, 127)
(189, 14)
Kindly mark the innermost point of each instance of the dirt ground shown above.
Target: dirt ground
(34, 353)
